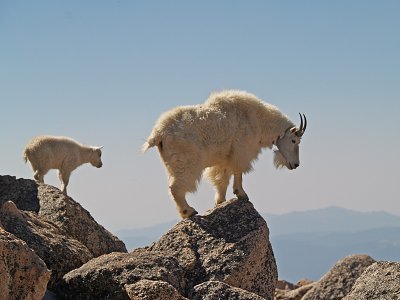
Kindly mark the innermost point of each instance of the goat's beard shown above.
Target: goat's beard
(279, 160)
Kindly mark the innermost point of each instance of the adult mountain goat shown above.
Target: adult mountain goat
(224, 136)
(62, 153)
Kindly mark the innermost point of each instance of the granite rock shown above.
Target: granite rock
(23, 275)
(380, 281)
(339, 280)
(60, 253)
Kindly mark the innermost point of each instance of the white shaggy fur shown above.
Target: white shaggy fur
(62, 153)
(224, 136)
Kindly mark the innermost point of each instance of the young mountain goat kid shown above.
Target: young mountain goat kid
(224, 136)
(62, 153)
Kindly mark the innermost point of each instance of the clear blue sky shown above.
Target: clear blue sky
(103, 71)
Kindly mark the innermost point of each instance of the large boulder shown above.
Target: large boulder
(23, 275)
(105, 277)
(229, 244)
(340, 279)
(53, 206)
(60, 253)
(55, 226)
(75, 221)
(216, 290)
(146, 289)
(380, 281)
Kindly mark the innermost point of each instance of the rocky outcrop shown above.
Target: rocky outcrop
(380, 281)
(60, 253)
(216, 290)
(340, 279)
(225, 254)
(56, 227)
(76, 222)
(51, 205)
(105, 277)
(229, 244)
(146, 289)
(23, 275)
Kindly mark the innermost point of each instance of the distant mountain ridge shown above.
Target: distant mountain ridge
(307, 243)
(330, 219)
(310, 255)
(325, 220)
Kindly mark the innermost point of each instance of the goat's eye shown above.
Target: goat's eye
(293, 141)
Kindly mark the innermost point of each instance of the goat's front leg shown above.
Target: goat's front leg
(64, 178)
(219, 177)
(237, 186)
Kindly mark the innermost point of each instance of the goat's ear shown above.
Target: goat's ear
(101, 147)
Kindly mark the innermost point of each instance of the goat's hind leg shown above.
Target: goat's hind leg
(39, 173)
(183, 179)
(183, 163)
(39, 176)
(178, 194)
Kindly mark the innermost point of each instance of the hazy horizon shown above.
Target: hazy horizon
(103, 72)
(317, 210)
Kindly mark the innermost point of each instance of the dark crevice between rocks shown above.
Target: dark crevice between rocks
(198, 273)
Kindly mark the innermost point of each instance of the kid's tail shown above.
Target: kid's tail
(25, 155)
(146, 147)
(151, 142)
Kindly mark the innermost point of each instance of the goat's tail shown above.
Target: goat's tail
(153, 140)
(25, 155)
(146, 146)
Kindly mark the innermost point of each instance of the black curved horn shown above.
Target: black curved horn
(305, 123)
(301, 123)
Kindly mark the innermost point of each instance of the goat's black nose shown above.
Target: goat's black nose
(296, 165)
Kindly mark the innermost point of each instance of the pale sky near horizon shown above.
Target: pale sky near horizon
(102, 72)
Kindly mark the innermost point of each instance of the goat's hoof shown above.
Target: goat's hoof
(193, 213)
(217, 202)
(243, 197)
(187, 213)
